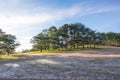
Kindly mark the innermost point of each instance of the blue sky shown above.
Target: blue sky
(27, 18)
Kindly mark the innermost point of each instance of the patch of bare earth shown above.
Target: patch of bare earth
(81, 65)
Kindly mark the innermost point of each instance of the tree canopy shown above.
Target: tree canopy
(7, 43)
(74, 35)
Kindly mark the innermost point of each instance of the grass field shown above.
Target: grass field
(99, 64)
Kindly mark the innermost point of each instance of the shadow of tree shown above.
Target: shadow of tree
(61, 66)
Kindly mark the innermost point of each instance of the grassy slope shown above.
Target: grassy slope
(15, 56)
(65, 66)
(25, 56)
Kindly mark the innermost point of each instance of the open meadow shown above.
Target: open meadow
(59, 39)
(99, 64)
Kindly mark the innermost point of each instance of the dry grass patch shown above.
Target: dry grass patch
(82, 65)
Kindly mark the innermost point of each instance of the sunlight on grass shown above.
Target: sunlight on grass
(14, 56)
(44, 52)
(63, 50)
(5, 56)
(11, 56)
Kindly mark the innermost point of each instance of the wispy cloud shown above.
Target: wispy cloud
(25, 19)
(53, 15)
(102, 9)
(16, 19)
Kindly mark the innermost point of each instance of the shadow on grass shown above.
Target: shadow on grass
(63, 66)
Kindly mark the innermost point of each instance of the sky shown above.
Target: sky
(27, 18)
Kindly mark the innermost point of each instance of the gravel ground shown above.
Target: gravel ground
(74, 65)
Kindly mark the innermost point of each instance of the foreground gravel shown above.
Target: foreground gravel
(78, 65)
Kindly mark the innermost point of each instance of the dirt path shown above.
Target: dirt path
(87, 65)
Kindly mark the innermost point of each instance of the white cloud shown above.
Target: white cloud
(26, 19)
(10, 18)
(9, 2)
(18, 20)
(103, 9)
(53, 15)
(25, 40)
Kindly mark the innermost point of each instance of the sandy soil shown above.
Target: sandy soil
(102, 64)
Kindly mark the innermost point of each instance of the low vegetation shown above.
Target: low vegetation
(97, 64)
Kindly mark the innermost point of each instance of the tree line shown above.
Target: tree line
(67, 36)
(71, 36)
(7, 43)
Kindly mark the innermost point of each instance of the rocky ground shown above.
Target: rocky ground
(102, 64)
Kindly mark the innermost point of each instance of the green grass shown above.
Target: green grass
(11, 56)
(63, 50)
(43, 52)
(93, 68)
(14, 56)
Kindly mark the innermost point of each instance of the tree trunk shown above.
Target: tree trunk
(83, 46)
(66, 47)
(8, 52)
(90, 45)
(41, 49)
(94, 45)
